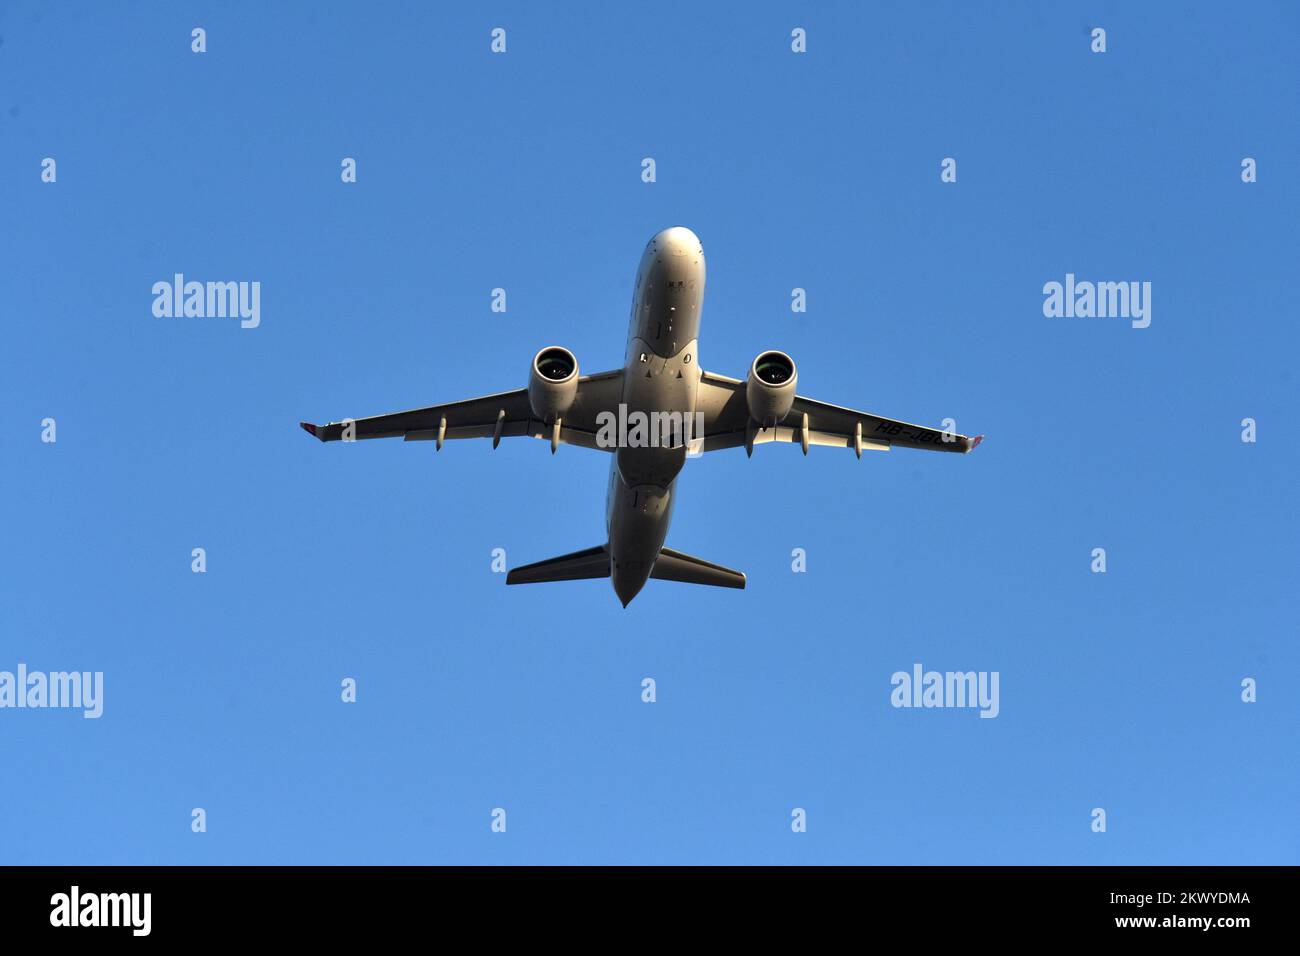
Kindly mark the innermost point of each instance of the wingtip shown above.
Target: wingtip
(975, 442)
(309, 428)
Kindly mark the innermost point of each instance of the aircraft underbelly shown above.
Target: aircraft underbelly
(660, 384)
(638, 527)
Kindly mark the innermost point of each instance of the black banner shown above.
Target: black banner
(333, 904)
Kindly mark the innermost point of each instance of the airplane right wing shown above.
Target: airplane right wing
(504, 415)
(727, 424)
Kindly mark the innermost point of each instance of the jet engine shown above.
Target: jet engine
(552, 383)
(769, 389)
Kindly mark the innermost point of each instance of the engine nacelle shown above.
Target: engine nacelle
(552, 383)
(769, 389)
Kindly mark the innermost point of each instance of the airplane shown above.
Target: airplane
(689, 411)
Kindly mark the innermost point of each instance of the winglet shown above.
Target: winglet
(310, 429)
(974, 443)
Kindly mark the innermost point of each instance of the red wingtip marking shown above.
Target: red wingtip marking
(309, 428)
(975, 442)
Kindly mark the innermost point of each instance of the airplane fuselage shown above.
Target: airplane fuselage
(661, 375)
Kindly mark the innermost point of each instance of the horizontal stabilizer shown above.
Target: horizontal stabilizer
(675, 566)
(591, 563)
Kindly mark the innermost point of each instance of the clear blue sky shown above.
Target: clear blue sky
(1118, 690)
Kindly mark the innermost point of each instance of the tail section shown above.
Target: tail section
(591, 563)
(594, 563)
(677, 566)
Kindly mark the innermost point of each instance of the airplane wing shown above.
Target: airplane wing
(504, 415)
(727, 424)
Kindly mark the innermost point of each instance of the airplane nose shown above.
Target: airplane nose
(678, 241)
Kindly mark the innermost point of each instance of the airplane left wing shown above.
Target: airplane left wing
(727, 424)
(504, 415)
